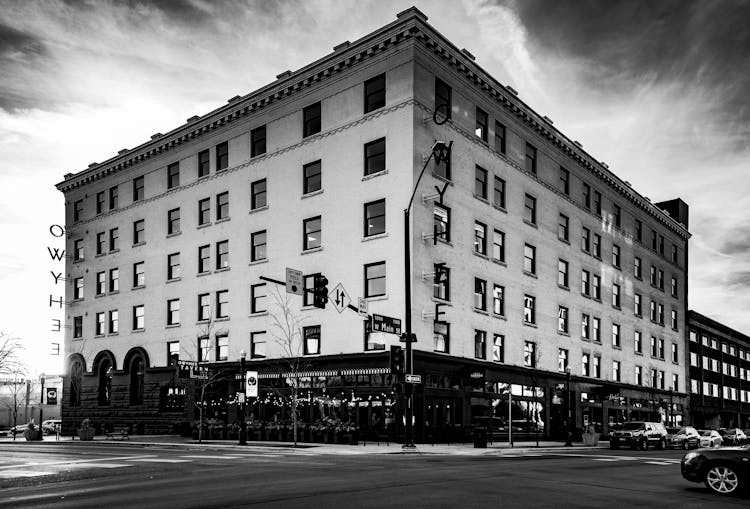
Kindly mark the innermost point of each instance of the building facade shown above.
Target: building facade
(719, 367)
(530, 260)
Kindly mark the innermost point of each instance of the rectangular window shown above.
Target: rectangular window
(585, 365)
(312, 233)
(204, 163)
(660, 280)
(597, 245)
(638, 230)
(204, 211)
(173, 175)
(564, 181)
(441, 336)
(562, 319)
(258, 197)
(100, 202)
(653, 240)
(138, 188)
(638, 342)
(563, 228)
(222, 156)
(598, 203)
(375, 156)
(616, 255)
(530, 158)
(101, 283)
(204, 259)
(173, 312)
(114, 238)
(481, 125)
(616, 371)
(615, 295)
(77, 327)
(258, 246)
(139, 274)
(498, 195)
(674, 319)
(585, 326)
(585, 239)
(676, 382)
(639, 375)
(258, 345)
(222, 254)
(77, 210)
(78, 249)
(480, 294)
(113, 197)
(100, 324)
(443, 104)
(78, 288)
(660, 313)
(480, 238)
(173, 266)
(498, 348)
(674, 254)
(114, 280)
(661, 245)
(616, 335)
(562, 360)
(597, 329)
(617, 214)
(498, 246)
(258, 298)
(311, 120)
(637, 270)
(597, 368)
(637, 304)
(222, 205)
(653, 347)
(499, 138)
(529, 354)
(562, 273)
(530, 209)
(675, 355)
(442, 282)
(653, 311)
(529, 309)
(480, 182)
(222, 347)
(374, 279)
(139, 318)
(374, 218)
(596, 287)
(173, 221)
(375, 93)
(498, 300)
(100, 243)
(222, 304)
(480, 344)
(203, 349)
(586, 195)
(529, 259)
(311, 337)
(585, 283)
(204, 307)
(138, 231)
(441, 222)
(258, 141)
(673, 287)
(311, 177)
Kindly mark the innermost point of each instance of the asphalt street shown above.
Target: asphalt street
(99, 474)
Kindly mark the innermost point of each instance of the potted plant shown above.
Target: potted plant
(86, 432)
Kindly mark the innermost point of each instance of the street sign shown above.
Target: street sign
(251, 384)
(294, 282)
(240, 397)
(414, 379)
(382, 323)
(362, 306)
(340, 298)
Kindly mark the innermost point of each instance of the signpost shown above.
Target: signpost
(414, 379)
(340, 298)
(382, 323)
(294, 282)
(362, 306)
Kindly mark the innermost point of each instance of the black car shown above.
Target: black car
(724, 471)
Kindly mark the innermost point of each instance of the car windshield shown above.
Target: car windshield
(631, 426)
(683, 431)
(706, 433)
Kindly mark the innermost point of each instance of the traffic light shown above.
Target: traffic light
(397, 360)
(320, 291)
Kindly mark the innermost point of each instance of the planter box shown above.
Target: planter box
(591, 439)
(86, 434)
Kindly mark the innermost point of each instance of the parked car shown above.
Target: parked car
(639, 434)
(51, 426)
(686, 437)
(710, 438)
(733, 436)
(724, 471)
(18, 429)
(4, 431)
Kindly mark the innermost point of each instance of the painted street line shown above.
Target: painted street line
(99, 465)
(209, 457)
(659, 462)
(9, 474)
(66, 462)
(161, 460)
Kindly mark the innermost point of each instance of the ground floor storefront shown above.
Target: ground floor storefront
(713, 413)
(351, 398)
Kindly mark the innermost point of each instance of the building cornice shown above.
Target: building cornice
(697, 319)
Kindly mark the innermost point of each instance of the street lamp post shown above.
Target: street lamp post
(670, 415)
(443, 152)
(42, 378)
(243, 424)
(568, 432)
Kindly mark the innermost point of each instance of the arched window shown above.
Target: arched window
(105, 381)
(76, 379)
(137, 367)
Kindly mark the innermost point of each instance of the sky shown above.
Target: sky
(657, 90)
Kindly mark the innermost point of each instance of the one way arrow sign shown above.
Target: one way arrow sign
(340, 298)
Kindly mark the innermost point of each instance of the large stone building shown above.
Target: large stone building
(529, 256)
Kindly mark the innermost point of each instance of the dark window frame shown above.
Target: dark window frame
(312, 116)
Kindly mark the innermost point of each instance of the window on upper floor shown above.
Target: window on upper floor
(258, 345)
(563, 227)
(173, 175)
(114, 194)
(500, 135)
(204, 211)
(100, 202)
(139, 317)
(498, 196)
(222, 254)
(596, 326)
(443, 104)
(529, 309)
(139, 274)
(222, 206)
(311, 120)
(441, 333)
(585, 326)
(204, 259)
(480, 129)
(564, 181)
(100, 324)
(529, 259)
(139, 228)
(78, 288)
(498, 300)
(531, 158)
(674, 254)
(311, 177)
(637, 304)
(597, 246)
(529, 354)
(173, 312)
(204, 163)
(204, 307)
(374, 218)
(77, 327)
(441, 223)
(222, 156)
(616, 371)
(258, 141)
(480, 238)
(480, 294)
(562, 273)
(442, 282)
(114, 239)
(258, 246)
(173, 221)
(586, 195)
(585, 239)
(375, 93)
(222, 346)
(101, 283)
(617, 215)
(638, 230)
(77, 210)
(258, 194)
(616, 335)
(138, 188)
(375, 156)
(311, 339)
(616, 255)
(562, 319)
(480, 182)
(637, 268)
(498, 246)
(173, 266)
(562, 360)
(529, 214)
(615, 295)
(585, 282)
(312, 233)
(480, 344)
(596, 287)
(498, 348)
(222, 304)
(638, 341)
(101, 242)
(673, 287)
(598, 203)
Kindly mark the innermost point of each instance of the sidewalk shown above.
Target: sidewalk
(467, 449)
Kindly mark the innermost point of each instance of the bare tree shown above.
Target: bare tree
(10, 347)
(18, 389)
(534, 379)
(286, 332)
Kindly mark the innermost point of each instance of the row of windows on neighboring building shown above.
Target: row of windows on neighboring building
(725, 368)
(719, 391)
(590, 199)
(725, 347)
(374, 98)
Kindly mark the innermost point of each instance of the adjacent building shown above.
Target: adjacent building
(530, 259)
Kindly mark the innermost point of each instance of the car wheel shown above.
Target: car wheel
(662, 444)
(722, 479)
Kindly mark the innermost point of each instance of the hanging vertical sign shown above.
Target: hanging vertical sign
(56, 255)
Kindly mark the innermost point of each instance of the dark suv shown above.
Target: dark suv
(638, 434)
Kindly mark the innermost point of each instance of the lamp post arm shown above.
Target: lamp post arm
(419, 178)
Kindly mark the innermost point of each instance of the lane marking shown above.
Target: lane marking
(160, 460)
(7, 474)
(66, 462)
(100, 465)
(659, 462)
(209, 457)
